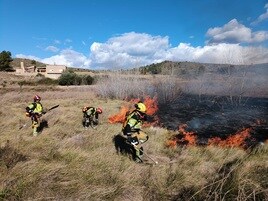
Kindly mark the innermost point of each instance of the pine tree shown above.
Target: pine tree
(5, 59)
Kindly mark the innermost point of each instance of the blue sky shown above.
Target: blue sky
(111, 34)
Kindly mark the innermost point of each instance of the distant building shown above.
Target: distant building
(54, 71)
(50, 71)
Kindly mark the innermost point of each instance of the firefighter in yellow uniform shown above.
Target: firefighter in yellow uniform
(132, 129)
(35, 111)
(91, 116)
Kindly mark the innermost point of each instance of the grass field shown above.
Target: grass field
(67, 162)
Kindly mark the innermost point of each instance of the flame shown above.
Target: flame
(120, 117)
(189, 137)
(184, 137)
(150, 103)
(171, 143)
(236, 140)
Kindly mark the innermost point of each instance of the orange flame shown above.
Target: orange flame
(189, 137)
(171, 143)
(236, 140)
(120, 117)
(150, 103)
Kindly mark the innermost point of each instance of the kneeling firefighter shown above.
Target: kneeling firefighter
(132, 129)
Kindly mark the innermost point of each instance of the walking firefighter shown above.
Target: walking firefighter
(35, 111)
(132, 130)
(91, 116)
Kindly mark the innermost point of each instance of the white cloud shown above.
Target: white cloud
(27, 57)
(233, 32)
(129, 49)
(220, 53)
(69, 58)
(138, 49)
(262, 17)
(52, 48)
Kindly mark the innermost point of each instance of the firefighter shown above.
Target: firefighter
(91, 116)
(132, 130)
(35, 111)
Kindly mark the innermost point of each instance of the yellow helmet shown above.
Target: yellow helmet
(140, 107)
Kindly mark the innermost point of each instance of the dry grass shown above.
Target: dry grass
(67, 162)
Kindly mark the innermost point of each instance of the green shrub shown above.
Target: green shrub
(87, 80)
(67, 78)
(71, 78)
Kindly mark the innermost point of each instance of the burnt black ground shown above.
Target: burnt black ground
(217, 116)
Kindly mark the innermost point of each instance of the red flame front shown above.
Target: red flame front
(150, 103)
(236, 140)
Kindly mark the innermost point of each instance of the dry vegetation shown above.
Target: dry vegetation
(67, 162)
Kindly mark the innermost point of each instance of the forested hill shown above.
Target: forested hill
(192, 68)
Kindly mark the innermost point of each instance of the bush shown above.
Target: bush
(71, 78)
(87, 80)
(47, 81)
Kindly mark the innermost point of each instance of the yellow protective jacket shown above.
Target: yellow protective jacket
(134, 120)
(35, 108)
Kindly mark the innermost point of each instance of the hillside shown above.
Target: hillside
(192, 69)
(27, 62)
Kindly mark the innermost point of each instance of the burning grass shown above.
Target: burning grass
(67, 162)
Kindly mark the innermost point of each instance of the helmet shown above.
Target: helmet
(37, 98)
(140, 107)
(99, 110)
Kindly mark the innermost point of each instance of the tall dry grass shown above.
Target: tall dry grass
(67, 162)
(116, 86)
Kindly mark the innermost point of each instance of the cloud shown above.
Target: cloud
(52, 48)
(132, 49)
(219, 53)
(262, 17)
(129, 49)
(233, 32)
(31, 57)
(66, 57)
(69, 58)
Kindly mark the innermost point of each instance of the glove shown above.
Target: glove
(132, 141)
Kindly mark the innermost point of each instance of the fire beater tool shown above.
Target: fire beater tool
(55, 106)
